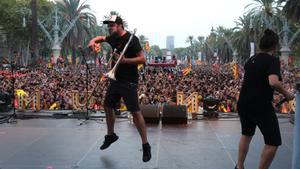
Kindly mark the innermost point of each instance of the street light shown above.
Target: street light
(215, 51)
(88, 22)
(24, 11)
(252, 45)
(24, 22)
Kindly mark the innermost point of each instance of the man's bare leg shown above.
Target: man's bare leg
(139, 122)
(267, 156)
(110, 120)
(243, 150)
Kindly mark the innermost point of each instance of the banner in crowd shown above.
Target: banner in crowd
(7, 74)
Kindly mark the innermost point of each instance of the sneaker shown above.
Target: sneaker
(108, 140)
(237, 168)
(146, 152)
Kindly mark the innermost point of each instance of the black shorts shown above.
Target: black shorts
(117, 90)
(262, 116)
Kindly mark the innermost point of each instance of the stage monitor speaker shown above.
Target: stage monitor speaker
(174, 114)
(210, 106)
(150, 113)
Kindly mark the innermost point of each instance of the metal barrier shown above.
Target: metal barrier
(296, 149)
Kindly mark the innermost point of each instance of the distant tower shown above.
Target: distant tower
(170, 43)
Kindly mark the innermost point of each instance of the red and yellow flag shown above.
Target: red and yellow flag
(186, 71)
(235, 71)
(5, 60)
(140, 66)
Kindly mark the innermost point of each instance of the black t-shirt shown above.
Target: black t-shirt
(126, 72)
(255, 88)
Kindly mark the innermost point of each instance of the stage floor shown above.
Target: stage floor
(63, 144)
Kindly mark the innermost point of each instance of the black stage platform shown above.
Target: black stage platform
(63, 144)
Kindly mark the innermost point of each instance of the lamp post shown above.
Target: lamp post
(252, 45)
(215, 51)
(285, 48)
(57, 39)
(235, 54)
(24, 11)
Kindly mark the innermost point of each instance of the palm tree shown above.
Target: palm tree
(292, 9)
(190, 39)
(224, 44)
(201, 40)
(70, 9)
(143, 40)
(242, 37)
(209, 46)
(264, 12)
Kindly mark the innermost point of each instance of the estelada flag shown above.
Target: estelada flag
(186, 71)
(235, 71)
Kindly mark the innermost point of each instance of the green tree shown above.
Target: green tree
(155, 51)
(265, 14)
(210, 46)
(190, 40)
(17, 38)
(292, 9)
(142, 39)
(224, 44)
(181, 53)
(264, 9)
(242, 37)
(70, 9)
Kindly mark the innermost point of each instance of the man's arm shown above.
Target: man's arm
(97, 39)
(277, 85)
(140, 59)
(274, 78)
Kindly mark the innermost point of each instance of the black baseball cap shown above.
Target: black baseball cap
(114, 19)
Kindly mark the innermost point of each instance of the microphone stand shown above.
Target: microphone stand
(12, 118)
(87, 115)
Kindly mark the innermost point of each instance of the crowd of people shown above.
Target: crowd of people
(156, 85)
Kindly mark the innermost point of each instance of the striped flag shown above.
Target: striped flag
(235, 71)
(5, 60)
(140, 66)
(187, 70)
